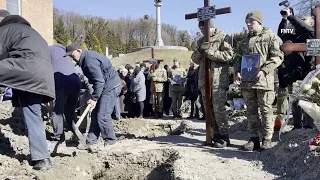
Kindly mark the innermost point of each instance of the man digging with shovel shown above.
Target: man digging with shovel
(106, 86)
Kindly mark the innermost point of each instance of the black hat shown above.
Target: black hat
(4, 13)
(72, 47)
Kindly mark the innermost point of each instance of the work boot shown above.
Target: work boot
(93, 148)
(59, 138)
(253, 144)
(222, 142)
(109, 142)
(215, 138)
(266, 144)
(43, 164)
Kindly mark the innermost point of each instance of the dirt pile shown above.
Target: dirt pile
(159, 149)
(292, 158)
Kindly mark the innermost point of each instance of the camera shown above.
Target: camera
(286, 4)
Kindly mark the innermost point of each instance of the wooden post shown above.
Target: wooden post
(288, 47)
(208, 98)
(155, 100)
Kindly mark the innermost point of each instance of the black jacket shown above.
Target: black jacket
(25, 62)
(100, 72)
(295, 65)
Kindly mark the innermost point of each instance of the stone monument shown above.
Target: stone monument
(159, 41)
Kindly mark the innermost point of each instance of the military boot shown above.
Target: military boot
(253, 144)
(215, 138)
(266, 144)
(222, 142)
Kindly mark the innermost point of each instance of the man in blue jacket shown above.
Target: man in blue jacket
(67, 86)
(106, 86)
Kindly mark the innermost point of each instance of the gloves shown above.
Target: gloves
(205, 46)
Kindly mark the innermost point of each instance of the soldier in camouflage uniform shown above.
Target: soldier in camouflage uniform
(259, 93)
(220, 52)
(159, 77)
(177, 89)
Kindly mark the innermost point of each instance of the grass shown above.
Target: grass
(166, 54)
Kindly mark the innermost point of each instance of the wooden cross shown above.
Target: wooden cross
(288, 47)
(208, 99)
(155, 100)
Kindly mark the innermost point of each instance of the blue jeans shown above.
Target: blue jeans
(101, 120)
(117, 108)
(31, 108)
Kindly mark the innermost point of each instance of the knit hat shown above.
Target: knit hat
(201, 23)
(256, 15)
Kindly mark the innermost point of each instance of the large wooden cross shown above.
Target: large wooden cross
(155, 100)
(289, 47)
(208, 98)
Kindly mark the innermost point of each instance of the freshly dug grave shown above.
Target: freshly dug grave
(153, 165)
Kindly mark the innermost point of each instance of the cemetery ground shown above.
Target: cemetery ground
(160, 149)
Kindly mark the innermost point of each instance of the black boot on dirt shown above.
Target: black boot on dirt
(43, 164)
(266, 144)
(252, 145)
(215, 138)
(222, 142)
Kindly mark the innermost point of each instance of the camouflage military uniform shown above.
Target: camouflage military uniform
(282, 104)
(177, 90)
(159, 76)
(260, 94)
(220, 53)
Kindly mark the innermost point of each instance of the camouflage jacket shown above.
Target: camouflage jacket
(183, 74)
(220, 53)
(159, 76)
(267, 44)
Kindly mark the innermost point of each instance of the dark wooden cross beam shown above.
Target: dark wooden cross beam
(288, 47)
(155, 100)
(208, 98)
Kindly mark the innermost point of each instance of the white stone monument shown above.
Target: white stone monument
(159, 41)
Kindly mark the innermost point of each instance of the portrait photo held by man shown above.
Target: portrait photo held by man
(249, 67)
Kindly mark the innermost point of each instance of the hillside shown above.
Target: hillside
(165, 54)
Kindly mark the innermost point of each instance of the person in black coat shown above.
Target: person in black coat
(25, 66)
(295, 65)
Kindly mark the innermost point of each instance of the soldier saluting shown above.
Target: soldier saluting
(260, 92)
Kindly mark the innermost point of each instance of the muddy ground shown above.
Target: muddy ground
(160, 149)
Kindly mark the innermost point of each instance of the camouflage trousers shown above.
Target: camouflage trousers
(282, 104)
(220, 120)
(176, 101)
(256, 99)
(159, 107)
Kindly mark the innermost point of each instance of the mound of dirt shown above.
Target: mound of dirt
(166, 54)
(291, 158)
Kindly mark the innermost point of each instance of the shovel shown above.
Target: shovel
(75, 126)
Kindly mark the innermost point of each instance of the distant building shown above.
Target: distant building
(38, 12)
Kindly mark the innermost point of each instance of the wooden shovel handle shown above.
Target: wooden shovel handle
(83, 115)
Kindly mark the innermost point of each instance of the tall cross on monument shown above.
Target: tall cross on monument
(312, 47)
(205, 14)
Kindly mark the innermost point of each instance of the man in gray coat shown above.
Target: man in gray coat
(139, 89)
(25, 66)
(106, 86)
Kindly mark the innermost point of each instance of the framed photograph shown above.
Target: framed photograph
(238, 103)
(176, 79)
(250, 67)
